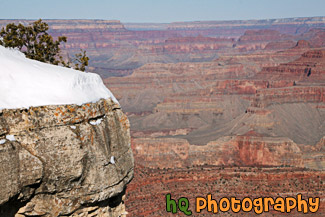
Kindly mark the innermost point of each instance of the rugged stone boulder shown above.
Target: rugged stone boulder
(65, 160)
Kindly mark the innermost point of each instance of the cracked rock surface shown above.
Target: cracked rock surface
(65, 160)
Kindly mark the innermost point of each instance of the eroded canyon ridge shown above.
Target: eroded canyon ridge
(232, 108)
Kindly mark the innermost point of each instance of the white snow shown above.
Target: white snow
(2, 141)
(73, 127)
(11, 138)
(25, 82)
(112, 160)
(97, 122)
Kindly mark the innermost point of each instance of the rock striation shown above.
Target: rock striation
(65, 160)
(250, 149)
(117, 49)
(241, 182)
(227, 127)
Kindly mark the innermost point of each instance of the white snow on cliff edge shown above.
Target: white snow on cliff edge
(25, 82)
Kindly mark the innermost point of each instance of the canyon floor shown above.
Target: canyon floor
(232, 108)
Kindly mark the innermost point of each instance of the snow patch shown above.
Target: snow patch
(11, 138)
(112, 160)
(97, 122)
(2, 141)
(73, 127)
(25, 82)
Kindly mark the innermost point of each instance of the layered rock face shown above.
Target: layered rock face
(309, 68)
(234, 108)
(77, 25)
(65, 160)
(246, 150)
(192, 182)
(258, 113)
(237, 116)
(258, 24)
(259, 39)
(117, 49)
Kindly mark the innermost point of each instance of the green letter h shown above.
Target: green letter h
(170, 202)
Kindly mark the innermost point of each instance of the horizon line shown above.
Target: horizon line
(165, 22)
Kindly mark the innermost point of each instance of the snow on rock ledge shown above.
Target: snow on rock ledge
(25, 82)
(59, 130)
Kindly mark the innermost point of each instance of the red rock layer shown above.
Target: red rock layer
(247, 150)
(310, 67)
(146, 193)
(115, 50)
(267, 97)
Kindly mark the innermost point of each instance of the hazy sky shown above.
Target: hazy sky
(160, 10)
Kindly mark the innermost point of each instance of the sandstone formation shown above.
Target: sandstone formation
(65, 160)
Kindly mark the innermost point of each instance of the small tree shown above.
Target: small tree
(80, 61)
(35, 42)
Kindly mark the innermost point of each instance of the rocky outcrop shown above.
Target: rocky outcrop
(66, 160)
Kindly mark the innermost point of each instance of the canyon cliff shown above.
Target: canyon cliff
(65, 160)
(238, 125)
(117, 49)
(234, 108)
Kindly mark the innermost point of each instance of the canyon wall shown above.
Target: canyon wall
(65, 160)
(230, 107)
(117, 49)
(204, 127)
